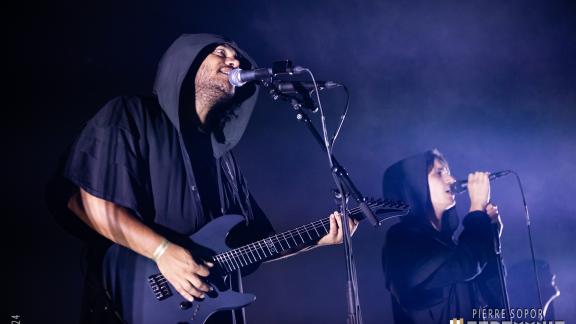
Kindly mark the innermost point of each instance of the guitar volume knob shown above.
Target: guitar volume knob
(185, 305)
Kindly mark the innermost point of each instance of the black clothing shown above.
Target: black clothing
(204, 166)
(145, 154)
(431, 277)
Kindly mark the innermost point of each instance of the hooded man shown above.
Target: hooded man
(432, 278)
(147, 172)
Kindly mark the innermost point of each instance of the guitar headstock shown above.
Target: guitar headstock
(383, 209)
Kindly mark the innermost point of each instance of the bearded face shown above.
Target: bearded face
(211, 82)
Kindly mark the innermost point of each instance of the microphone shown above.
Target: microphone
(461, 186)
(287, 87)
(238, 77)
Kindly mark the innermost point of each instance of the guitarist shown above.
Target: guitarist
(148, 171)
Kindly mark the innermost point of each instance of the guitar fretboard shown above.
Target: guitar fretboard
(273, 246)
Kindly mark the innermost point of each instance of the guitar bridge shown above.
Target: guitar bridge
(159, 286)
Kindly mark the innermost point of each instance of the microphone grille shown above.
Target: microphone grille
(234, 78)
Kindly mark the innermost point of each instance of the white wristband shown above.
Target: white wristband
(160, 250)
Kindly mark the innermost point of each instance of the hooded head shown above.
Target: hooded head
(408, 180)
(175, 88)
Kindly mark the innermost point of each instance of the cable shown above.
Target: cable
(531, 244)
(342, 117)
(322, 118)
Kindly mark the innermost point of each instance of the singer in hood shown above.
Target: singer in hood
(148, 171)
(432, 277)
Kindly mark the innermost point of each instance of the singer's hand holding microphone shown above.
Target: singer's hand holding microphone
(478, 187)
(479, 191)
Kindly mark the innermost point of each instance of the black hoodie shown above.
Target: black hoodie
(138, 153)
(431, 277)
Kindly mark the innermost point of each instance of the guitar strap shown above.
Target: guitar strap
(237, 186)
(223, 208)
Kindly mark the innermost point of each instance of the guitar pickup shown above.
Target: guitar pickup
(159, 286)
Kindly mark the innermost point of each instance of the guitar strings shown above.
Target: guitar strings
(299, 230)
(244, 252)
(263, 245)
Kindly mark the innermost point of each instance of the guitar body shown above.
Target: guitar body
(172, 307)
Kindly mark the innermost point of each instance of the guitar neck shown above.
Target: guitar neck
(273, 246)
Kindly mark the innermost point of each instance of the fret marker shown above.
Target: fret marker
(270, 246)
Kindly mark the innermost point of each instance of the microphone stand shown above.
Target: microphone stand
(345, 187)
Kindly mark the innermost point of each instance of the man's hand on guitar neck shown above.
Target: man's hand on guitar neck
(334, 236)
(335, 233)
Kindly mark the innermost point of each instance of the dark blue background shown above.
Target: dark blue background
(489, 83)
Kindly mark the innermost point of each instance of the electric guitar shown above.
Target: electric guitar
(156, 293)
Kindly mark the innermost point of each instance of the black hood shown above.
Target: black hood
(407, 180)
(179, 65)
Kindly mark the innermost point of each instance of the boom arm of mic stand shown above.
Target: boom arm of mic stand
(337, 169)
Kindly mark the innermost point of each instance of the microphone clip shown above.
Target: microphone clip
(282, 67)
(294, 92)
(298, 92)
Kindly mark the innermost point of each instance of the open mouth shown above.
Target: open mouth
(225, 70)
